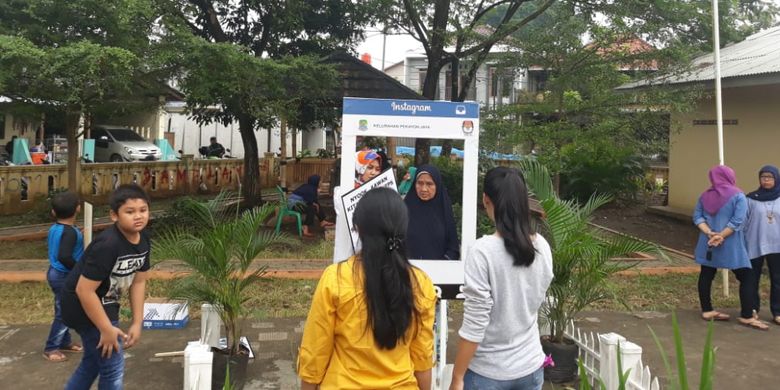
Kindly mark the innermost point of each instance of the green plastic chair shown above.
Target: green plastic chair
(284, 210)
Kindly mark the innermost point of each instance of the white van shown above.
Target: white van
(118, 144)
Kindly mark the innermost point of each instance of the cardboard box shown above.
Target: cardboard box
(162, 313)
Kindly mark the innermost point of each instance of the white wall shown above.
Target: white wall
(189, 136)
(411, 79)
(19, 128)
(313, 140)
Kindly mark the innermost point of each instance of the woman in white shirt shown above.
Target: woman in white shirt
(506, 278)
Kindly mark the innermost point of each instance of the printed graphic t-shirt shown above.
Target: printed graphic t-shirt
(113, 261)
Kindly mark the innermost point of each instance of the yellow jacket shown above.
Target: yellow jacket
(338, 350)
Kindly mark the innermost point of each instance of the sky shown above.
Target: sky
(396, 48)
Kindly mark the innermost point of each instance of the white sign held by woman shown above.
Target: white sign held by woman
(351, 199)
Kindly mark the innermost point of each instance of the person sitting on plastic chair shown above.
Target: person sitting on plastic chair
(304, 200)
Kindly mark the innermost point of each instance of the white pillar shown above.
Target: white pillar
(210, 325)
(613, 347)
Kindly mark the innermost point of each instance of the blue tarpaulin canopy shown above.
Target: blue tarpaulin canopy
(436, 151)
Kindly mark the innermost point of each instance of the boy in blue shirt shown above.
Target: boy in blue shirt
(66, 245)
(115, 262)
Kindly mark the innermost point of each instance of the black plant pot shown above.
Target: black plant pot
(238, 365)
(565, 357)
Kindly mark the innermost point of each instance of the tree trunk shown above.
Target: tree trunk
(268, 146)
(336, 137)
(72, 116)
(471, 74)
(294, 143)
(250, 189)
(283, 153)
(446, 147)
(422, 146)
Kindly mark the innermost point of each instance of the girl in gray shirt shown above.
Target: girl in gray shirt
(506, 278)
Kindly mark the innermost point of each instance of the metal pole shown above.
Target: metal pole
(718, 106)
(384, 45)
(88, 223)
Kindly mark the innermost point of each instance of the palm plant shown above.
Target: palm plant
(219, 255)
(582, 255)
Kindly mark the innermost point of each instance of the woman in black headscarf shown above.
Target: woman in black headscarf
(306, 195)
(432, 234)
(762, 237)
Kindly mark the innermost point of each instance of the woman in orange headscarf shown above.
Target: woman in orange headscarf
(368, 165)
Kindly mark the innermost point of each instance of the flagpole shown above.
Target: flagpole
(718, 105)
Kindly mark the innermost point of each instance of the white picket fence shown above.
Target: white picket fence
(599, 354)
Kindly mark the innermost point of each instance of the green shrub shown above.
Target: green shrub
(599, 167)
(175, 217)
(452, 176)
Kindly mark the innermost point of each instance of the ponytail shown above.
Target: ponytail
(506, 189)
(381, 219)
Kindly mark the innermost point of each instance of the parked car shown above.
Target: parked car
(118, 144)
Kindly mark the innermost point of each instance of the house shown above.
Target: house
(15, 123)
(492, 86)
(358, 79)
(170, 120)
(33, 121)
(750, 84)
(495, 85)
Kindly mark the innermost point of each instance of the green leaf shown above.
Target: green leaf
(682, 373)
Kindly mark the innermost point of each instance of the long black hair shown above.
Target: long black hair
(507, 191)
(381, 219)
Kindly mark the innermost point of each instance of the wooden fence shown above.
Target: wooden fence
(21, 186)
(298, 172)
(599, 354)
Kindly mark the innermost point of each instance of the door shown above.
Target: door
(102, 145)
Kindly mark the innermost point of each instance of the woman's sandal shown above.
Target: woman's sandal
(754, 323)
(54, 356)
(715, 316)
(776, 320)
(74, 348)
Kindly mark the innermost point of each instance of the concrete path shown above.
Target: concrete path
(746, 358)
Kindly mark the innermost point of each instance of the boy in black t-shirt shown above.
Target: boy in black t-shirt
(115, 261)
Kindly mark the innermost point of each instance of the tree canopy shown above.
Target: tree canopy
(573, 118)
(269, 51)
(78, 57)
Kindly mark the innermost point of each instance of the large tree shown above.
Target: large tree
(74, 79)
(577, 112)
(268, 32)
(79, 57)
(452, 31)
(461, 33)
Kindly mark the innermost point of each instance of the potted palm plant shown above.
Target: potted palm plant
(583, 261)
(219, 251)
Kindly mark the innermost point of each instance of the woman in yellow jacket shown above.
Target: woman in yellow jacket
(370, 325)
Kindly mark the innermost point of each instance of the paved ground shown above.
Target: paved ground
(745, 357)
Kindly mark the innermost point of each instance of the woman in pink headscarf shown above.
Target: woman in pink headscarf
(719, 215)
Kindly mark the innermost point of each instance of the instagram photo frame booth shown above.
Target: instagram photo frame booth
(414, 119)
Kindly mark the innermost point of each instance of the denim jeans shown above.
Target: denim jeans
(532, 381)
(111, 370)
(59, 335)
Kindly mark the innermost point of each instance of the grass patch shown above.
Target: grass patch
(14, 250)
(305, 249)
(41, 212)
(32, 303)
(670, 291)
(319, 249)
